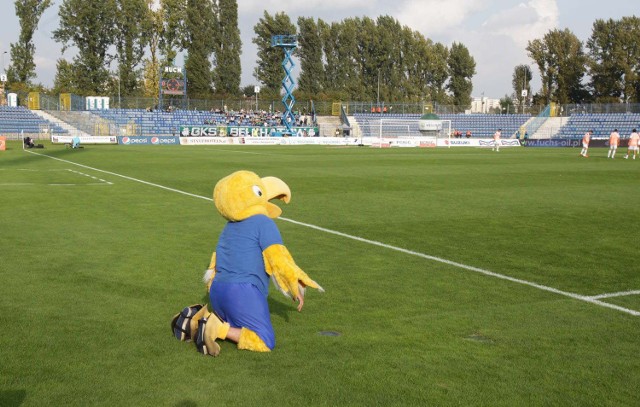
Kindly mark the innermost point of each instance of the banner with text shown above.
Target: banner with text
(269, 141)
(476, 142)
(571, 142)
(245, 131)
(55, 139)
(148, 140)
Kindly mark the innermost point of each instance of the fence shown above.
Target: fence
(322, 108)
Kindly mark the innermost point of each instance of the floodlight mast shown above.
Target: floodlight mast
(288, 43)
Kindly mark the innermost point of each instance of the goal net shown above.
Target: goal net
(389, 132)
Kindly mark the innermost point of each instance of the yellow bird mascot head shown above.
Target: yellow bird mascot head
(249, 253)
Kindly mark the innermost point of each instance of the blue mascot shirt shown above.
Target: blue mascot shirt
(239, 251)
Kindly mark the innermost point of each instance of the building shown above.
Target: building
(484, 105)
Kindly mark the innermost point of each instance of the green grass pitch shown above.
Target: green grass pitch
(453, 277)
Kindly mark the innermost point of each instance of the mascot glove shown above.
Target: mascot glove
(286, 275)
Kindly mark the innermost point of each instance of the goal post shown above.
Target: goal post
(407, 132)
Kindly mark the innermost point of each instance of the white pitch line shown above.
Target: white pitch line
(90, 176)
(618, 294)
(100, 181)
(591, 300)
(122, 176)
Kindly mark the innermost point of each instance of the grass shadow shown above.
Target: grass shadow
(12, 398)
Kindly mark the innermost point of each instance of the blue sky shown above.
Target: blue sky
(495, 31)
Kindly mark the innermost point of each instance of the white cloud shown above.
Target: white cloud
(436, 17)
(525, 22)
(45, 62)
(296, 7)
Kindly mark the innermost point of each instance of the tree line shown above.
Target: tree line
(604, 69)
(354, 59)
(359, 58)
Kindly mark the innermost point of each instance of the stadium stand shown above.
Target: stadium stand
(602, 124)
(480, 125)
(168, 123)
(20, 119)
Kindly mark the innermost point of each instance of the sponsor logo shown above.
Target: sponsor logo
(145, 140)
(510, 142)
(200, 132)
(138, 140)
(190, 141)
(429, 125)
(553, 143)
(461, 142)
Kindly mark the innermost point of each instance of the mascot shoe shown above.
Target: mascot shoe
(210, 328)
(183, 325)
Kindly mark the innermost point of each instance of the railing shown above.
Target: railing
(314, 116)
(568, 110)
(536, 123)
(321, 108)
(344, 118)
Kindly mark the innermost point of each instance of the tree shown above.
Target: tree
(604, 67)
(28, 12)
(249, 90)
(132, 38)
(174, 17)
(417, 57)
(437, 73)
(390, 58)
(269, 69)
(228, 47)
(65, 80)
(151, 65)
(199, 43)
(506, 105)
(629, 56)
(91, 28)
(614, 59)
(561, 62)
(330, 54)
(351, 69)
(310, 53)
(521, 82)
(462, 67)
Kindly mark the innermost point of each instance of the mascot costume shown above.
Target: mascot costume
(249, 253)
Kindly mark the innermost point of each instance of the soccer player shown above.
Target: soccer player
(614, 140)
(633, 144)
(496, 140)
(585, 143)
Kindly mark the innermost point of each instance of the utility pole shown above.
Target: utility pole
(524, 86)
(378, 98)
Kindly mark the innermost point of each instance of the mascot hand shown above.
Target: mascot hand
(210, 273)
(286, 275)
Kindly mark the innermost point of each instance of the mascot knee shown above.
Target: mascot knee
(249, 340)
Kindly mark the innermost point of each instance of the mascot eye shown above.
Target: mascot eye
(257, 190)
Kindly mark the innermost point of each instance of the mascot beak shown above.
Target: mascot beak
(275, 188)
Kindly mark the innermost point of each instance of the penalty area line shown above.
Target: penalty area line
(618, 294)
(592, 300)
